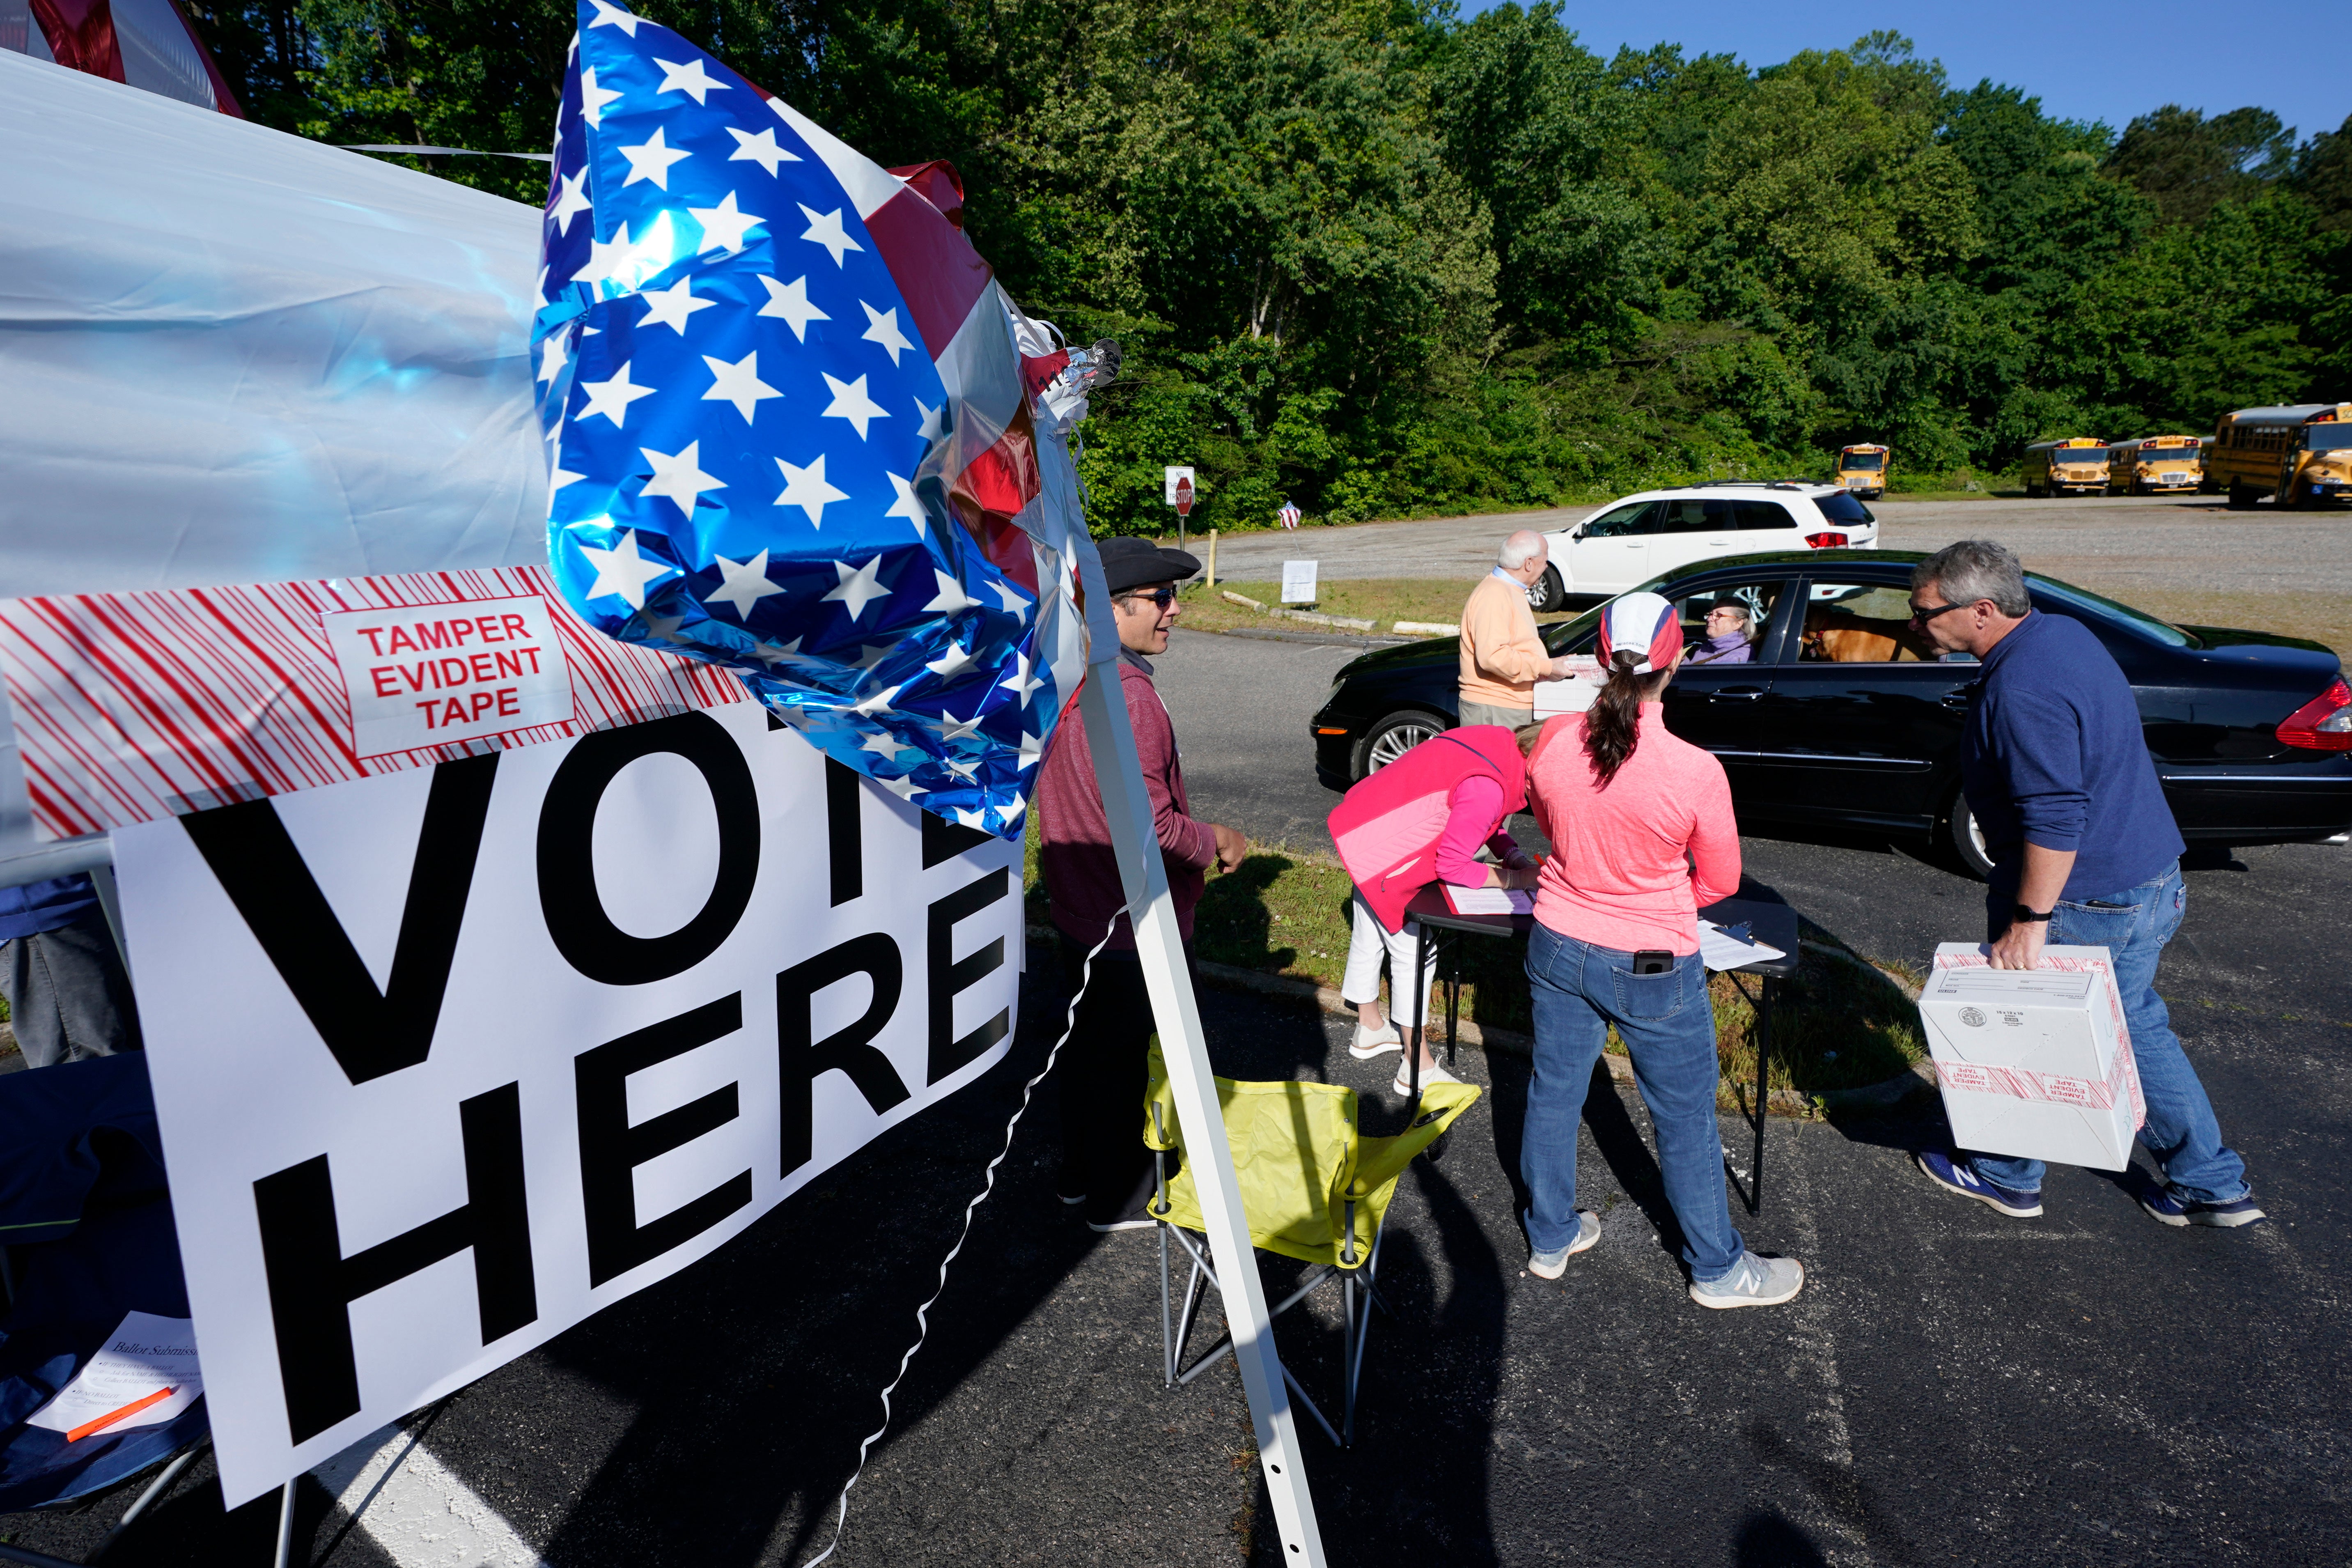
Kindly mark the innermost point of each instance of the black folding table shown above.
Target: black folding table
(1769, 919)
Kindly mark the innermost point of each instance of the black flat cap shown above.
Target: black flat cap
(1129, 563)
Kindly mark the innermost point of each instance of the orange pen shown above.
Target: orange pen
(111, 1417)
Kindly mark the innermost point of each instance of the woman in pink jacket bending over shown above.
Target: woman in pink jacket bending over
(1641, 836)
(1423, 819)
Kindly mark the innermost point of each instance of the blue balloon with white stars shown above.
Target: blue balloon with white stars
(746, 433)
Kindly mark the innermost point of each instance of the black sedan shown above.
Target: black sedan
(1843, 716)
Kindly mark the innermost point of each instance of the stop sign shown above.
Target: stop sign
(1183, 498)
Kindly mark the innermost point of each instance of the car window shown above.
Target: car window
(1726, 624)
(1843, 508)
(1765, 514)
(1624, 522)
(1690, 515)
(1575, 636)
(1861, 622)
(2049, 593)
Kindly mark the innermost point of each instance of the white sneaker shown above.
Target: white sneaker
(1369, 1043)
(1552, 1265)
(1753, 1282)
(1431, 1074)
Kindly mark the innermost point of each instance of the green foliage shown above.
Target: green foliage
(1378, 261)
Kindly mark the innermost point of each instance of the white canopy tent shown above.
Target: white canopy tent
(232, 355)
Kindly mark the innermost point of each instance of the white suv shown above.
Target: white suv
(1629, 541)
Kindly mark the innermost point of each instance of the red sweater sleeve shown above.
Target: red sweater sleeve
(1714, 841)
(1182, 839)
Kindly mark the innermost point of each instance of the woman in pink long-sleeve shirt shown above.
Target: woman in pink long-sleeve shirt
(1477, 807)
(1642, 836)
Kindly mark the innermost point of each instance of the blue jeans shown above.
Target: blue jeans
(2133, 925)
(1668, 1025)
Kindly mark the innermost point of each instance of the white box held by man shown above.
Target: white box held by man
(2034, 1063)
(1574, 693)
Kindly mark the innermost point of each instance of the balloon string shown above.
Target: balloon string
(922, 1313)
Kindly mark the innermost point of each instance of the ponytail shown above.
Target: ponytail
(1612, 725)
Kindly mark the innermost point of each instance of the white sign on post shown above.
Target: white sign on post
(1298, 582)
(1172, 475)
(450, 1058)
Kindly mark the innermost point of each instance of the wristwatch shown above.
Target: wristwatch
(2021, 913)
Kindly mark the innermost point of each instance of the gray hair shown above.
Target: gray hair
(1519, 549)
(1976, 569)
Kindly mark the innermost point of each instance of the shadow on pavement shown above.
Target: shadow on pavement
(1769, 1541)
(753, 1375)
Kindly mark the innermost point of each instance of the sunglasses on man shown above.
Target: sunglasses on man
(1161, 597)
(1920, 616)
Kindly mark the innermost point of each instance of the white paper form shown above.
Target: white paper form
(1490, 901)
(1720, 950)
(144, 1355)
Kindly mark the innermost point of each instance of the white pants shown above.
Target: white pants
(1367, 945)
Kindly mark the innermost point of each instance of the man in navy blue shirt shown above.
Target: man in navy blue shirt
(2085, 852)
(67, 997)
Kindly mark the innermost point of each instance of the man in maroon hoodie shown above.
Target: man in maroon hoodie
(1104, 1165)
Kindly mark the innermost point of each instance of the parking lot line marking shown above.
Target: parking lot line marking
(417, 1510)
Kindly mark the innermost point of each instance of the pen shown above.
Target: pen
(111, 1417)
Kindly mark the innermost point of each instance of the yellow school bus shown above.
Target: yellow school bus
(2156, 465)
(1862, 470)
(2077, 465)
(2301, 453)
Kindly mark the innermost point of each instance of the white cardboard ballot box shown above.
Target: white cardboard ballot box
(1573, 695)
(2033, 1063)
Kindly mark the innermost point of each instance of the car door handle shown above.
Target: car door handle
(1736, 694)
(1958, 702)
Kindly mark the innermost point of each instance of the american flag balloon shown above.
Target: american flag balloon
(795, 427)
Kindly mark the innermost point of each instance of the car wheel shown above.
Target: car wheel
(1392, 736)
(1546, 593)
(1967, 838)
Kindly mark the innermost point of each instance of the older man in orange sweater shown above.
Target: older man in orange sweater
(1502, 656)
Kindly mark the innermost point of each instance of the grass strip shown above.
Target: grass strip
(1384, 601)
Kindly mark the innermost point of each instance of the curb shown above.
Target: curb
(1789, 1102)
(1352, 622)
(1300, 635)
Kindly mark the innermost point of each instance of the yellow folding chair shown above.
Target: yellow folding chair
(1312, 1188)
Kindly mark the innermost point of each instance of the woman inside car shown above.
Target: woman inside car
(1642, 833)
(1731, 634)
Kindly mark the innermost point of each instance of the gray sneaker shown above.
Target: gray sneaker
(1753, 1282)
(1552, 1265)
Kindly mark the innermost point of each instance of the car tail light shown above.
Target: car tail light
(2323, 723)
(1826, 541)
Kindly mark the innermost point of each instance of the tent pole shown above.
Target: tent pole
(1128, 805)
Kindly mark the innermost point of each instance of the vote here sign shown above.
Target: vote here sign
(448, 1059)
(425, 675)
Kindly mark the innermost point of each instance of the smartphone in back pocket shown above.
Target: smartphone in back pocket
(1653, 961)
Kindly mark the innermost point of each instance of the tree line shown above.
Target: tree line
(1379, 261)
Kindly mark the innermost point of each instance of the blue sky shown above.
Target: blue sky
(2104, 62)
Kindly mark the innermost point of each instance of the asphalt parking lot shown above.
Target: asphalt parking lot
(2116, 541)
(2089, 1387)
(1952, 1387)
